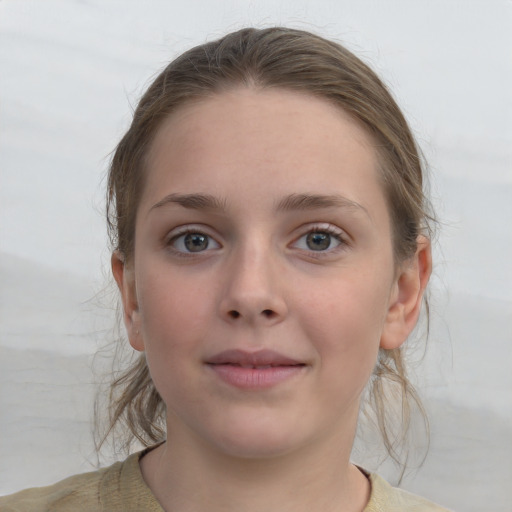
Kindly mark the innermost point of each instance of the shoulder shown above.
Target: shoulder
(119, 487)
(385, 498)
(79, 492)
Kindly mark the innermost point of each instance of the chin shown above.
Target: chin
(258, 440)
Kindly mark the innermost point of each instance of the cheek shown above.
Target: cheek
(345, 321)
(173, 311)
(172, 325)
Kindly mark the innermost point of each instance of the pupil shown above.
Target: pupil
(318, 241)
(196, 242)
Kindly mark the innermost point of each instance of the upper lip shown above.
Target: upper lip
(253, 359)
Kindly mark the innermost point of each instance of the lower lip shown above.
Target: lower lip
(255, 378)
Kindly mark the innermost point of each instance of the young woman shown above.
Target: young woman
(271, 247)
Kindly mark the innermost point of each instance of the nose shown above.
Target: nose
(253, 293)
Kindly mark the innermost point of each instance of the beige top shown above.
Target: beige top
(121, 488)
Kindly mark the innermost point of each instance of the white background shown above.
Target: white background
(70, 72)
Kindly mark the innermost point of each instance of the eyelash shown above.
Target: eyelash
(171, 241)
(333, 232)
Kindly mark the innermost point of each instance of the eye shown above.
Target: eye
(193, 241)
(319, 240)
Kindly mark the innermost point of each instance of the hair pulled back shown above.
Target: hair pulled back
(285, 59)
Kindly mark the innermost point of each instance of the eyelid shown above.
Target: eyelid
(323, 227)
(182, 231)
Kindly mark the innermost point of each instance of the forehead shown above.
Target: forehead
(240, 113)
(272, 141)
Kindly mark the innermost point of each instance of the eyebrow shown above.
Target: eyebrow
(292, 202)
(318, 201)
(192, 201)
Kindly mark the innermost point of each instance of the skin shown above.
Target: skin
(260, 285)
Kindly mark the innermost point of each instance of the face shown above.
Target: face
(263, 280)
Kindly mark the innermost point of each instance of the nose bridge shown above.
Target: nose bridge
(252, 292)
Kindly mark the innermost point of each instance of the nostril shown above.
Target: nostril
(267, 313)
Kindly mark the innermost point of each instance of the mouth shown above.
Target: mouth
(254, 370)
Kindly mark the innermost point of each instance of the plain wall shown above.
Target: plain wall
(70, 72)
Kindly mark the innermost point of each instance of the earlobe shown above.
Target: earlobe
(407, 296)
(125, 279)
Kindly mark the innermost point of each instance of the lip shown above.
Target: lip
(254, 370)
(259, 358)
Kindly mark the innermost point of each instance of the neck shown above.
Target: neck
(188, 478)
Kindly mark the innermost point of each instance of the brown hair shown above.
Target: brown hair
(270, 58)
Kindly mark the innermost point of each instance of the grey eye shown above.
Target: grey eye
(318, 241)
(193, 242)
(196, 242)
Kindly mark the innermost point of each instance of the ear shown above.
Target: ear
(407, 296)
(125, 279)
